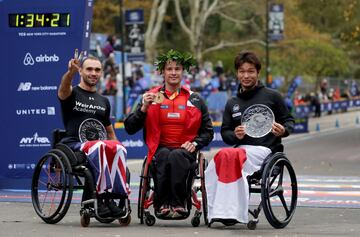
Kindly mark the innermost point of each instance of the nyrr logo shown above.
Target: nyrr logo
(29, 60)
(34, 141)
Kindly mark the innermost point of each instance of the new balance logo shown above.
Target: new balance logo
(28, 86)
(24, 86)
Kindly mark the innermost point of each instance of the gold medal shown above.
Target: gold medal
(159, 98)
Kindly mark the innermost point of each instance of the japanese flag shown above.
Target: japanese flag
(226, 184)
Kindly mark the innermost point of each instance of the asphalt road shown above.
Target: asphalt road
(331, 156)
(331, 153)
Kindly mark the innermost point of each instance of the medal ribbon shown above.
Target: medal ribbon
(176, 93)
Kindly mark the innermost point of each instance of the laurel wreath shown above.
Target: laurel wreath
(185, 59)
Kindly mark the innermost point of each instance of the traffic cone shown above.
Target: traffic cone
(317, 127)
(337, 125)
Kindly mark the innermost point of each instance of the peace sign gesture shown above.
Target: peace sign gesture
(74, 63)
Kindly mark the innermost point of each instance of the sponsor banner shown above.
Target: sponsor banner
(305, 110)
(301, 125)
(137, 149)
(134, 144)
(45, 41)
(276, 22)
(134, 24)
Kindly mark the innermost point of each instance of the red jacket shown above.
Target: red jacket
(152, 123)
(198, 126)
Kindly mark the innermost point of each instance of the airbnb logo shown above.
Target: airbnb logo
(29, 59)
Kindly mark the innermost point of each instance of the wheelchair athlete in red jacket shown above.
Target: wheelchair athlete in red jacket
(176, 125)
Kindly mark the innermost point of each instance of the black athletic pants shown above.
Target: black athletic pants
(171, 169)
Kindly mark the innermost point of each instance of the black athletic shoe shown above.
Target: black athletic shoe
(115, 210)
(103, 211)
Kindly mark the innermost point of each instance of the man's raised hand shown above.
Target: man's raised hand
(74, 63)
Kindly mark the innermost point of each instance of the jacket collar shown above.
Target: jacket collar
(251, 92)
(162, 88)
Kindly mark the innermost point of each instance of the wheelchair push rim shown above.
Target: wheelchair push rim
(279, 192)
(51, 189)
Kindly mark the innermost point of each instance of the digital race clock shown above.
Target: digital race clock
(39, 20)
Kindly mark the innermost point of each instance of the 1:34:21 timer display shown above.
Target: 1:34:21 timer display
(30, 20)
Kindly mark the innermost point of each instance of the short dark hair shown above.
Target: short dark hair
(247, 57)
(90, 57)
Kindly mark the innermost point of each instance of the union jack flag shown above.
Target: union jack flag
(108, 161)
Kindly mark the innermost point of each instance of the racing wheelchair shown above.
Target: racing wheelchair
(146, 194)
(277, 185)
(57, 174)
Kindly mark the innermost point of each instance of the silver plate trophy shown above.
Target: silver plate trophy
(92, 129)
(258, 120)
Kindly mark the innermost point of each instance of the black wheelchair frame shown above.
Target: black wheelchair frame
(146, 195)
(56, 176)
(278, 194)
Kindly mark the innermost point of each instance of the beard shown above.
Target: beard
(90, 82)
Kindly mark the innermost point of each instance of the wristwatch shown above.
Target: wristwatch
(195, 144)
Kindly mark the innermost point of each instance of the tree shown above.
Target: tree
(194, 24)
(157, 15)
(340, 19)
(305, 50)
(323, 60)
(104, 13)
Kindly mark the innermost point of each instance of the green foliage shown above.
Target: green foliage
(322, 37)
(338, 18)
(104, 13)
(185, 59)
(323, 59)
(325, 16)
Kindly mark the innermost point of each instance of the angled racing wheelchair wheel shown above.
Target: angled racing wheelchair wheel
(279, 191)
(143, 190)
(52, 187)
(202, 167)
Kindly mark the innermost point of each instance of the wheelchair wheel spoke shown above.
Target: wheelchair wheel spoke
(43, 201)
(44, 183)
(276, 192)
(52, 204)
(272, 180)
(284, 205)
(281, 175)
(48, 174)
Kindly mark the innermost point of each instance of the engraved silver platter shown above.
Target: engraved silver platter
(92, 129)
(258, 120)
